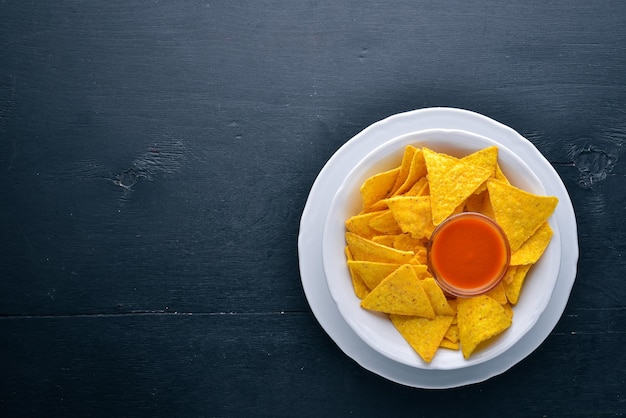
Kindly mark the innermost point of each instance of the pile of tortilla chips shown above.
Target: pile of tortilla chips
(387, 240)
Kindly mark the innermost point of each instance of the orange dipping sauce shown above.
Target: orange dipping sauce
(468, 254)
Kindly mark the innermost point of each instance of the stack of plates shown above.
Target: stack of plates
(371, 341)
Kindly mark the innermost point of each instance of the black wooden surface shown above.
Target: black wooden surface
(155, 158)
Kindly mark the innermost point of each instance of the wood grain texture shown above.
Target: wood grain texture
(155, 158)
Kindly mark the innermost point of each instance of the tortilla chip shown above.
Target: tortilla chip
(385, 223)
(417, 170)
(371, 272)
(420, 256)
(518, 212)
(361, 289)
(400, 293)
(421, 270)
(386, 240)
(423, 335)
(407, 243)
(360, 224)
(378, 187)
(498, 293)
(480, 319)
(480, 203)
(445, 343)
(486, 158)
(413, 215)
(514, 280)
(451, 182)
(405, 168)
(366, 250)
(419, 188)
(532, 249)
(437, 298)
(500, 175)
(453, 333)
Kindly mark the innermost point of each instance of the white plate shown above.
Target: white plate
(314, 218)
(376, 329)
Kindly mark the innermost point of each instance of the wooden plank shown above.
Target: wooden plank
(275, 365)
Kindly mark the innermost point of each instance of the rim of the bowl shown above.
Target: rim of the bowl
(387, 149)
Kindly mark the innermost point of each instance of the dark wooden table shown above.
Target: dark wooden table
(156, 156)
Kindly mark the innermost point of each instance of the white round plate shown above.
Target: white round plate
(314, 217)
(377, 330)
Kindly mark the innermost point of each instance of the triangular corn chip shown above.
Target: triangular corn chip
(451, 182)
(518, 212)
(513, 281)
(400, 293)
(480, 319)
(407, 243)
(413, 214)
(533, 247)
(385, 223)
(445, 343)
(420, 188)
(498, 293)
(500, 175)
(452, 333)
(386, 240)
(365, 250)
(405, 168)
(378, 187)
(423, 335)
(417, 171)
(437, 298)
(371, 272)
(360, 224)
(486, 158)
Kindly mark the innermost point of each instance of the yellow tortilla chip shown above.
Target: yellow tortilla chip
(421, 270)
(480, 202)
(413, 215)
(378, 187)
(498, 293)
(366, 250)
(518, 212)
(423, 335)
(386, 240)
(451, 182)
(532, 249)
(385, 223)
(361, 289)
(500, 175)
(400, 293)
(420, 188)
(405, 168)
(486, 158)
(407, 243)
(371, 273)
(417, 170)
(480, 319)
(513, 281)
(445, 343)
(348, 254)
(437, 298)
(453, 333)
(360, 224)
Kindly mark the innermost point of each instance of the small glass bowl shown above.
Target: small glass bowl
(497, 272)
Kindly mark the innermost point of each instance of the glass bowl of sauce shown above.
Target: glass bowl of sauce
(468, 254)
